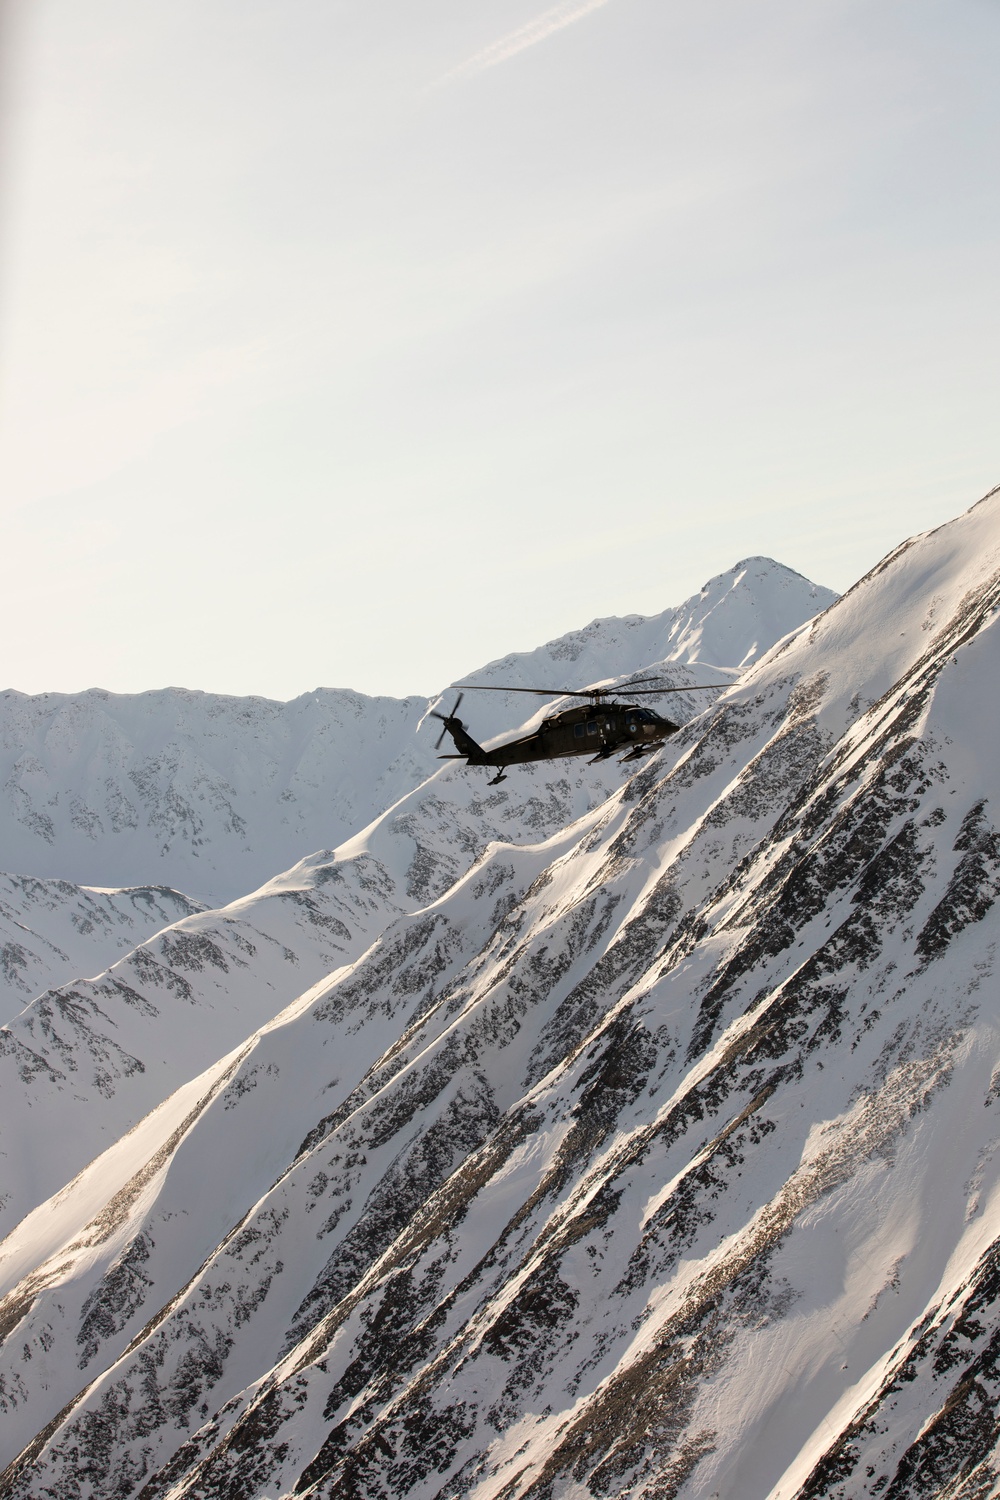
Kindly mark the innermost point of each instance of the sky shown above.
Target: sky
(356, 343)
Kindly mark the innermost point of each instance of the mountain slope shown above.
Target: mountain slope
(208, 793)
(735, 618)
(656, 1158)
(87, 1060)
(213, 794)
(50, 928)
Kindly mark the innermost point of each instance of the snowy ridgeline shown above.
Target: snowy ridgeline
(51, 930)
(652, 1154)
(213, 795)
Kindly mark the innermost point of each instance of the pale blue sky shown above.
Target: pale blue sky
(355, 342)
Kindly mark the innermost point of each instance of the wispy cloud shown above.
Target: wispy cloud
(525, 36)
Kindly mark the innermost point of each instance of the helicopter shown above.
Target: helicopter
(600, 728)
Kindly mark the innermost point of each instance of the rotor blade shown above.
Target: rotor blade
(594, 692)
(483, 687)
(560, 692)
(630, 682)
(599, 690)
(657, 682)
(696, 687)
(444, 718)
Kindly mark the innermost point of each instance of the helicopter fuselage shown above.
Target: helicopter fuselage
(595, 730)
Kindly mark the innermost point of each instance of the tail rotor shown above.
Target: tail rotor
(445, 718)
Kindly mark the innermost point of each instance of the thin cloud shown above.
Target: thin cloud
(525, 36)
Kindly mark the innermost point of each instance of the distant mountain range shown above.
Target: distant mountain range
(592, 1135)
(214, 795)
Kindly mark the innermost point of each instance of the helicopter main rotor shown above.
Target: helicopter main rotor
(639, 687)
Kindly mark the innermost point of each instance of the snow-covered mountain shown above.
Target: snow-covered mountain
(92, 1057)
(651, 1153)
(205, 793)
(736, 617)
(50, 929)
(212, 795)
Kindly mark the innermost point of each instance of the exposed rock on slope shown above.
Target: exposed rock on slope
(87, 1060)
(213, 794)
(655, 1159)
(50, 928)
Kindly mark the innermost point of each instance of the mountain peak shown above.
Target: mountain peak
(212, 793)
(656, 1155)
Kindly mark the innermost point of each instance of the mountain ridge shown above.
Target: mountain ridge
(655, 1158)
(211, 795)
(50, 929)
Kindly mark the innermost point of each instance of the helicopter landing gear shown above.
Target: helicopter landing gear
(497, 778)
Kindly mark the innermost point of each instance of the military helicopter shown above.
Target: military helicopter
(599, 728)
